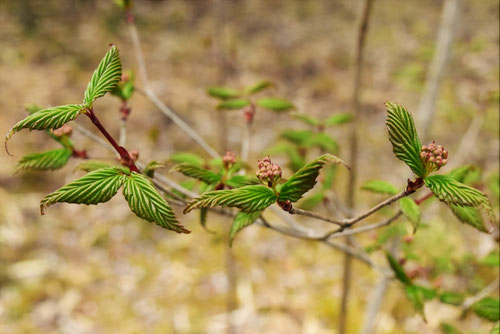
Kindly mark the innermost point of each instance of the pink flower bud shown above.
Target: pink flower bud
(424, 148)
(444, 162)
(432, 160)
(423, 155)
(445, 154)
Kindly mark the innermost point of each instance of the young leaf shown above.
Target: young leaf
(92, 165)
(150, 168)
(223, 93)
(51, 118)
(237, 181)
(49, 160)
(96, 187)
(495, 329)
(398, 270)
(313, 121)
(447, 328)
(469, 215)
(339, 118)
(411, 211)
(247, 198)
(105, 77)
(404, 138)
(146, 202)
(311, 201)
(275, 104)
(242, 220)
(233, 104)
(453, 192)
(258, 87)
(452, 298)
(416, 297)
(323, 141)
(305, 178)
(125, 88)
(487, 308)
(189, 158)
(460, 173)
(297, 137)
(197, 173)
(380, 187)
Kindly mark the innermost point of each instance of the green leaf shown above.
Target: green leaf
(233, 104)
(416, 297)
(495, 329)
(452, 192)
(487, 308)
(189, 158)
(297, 137)
(223, 93)
(312, 201)
(146, 202)
(313, 121)
(398, 270)
(448, 329)
(411, 211)
(305, 178)
(275, 104)
(197, 173)
(258, 87)
(380, 187)
(469, 215)
(150, 168)
(237, 181)
(49, 160)
(339, 118)
(452, 298)
(323, 141)
(105, 77)
(491, 260)
(51, 118)
(460, 173)
(404, 138)
(203, 217)
(92, 165)
(247, 198)
(242, 220)
(125, 88)
(96, 187)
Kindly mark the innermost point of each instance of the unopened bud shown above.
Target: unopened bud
(229, 159)
(63, 130)
(134, 154)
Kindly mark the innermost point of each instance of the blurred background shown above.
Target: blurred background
(100, 269)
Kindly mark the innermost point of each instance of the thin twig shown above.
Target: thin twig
(483, 293)
(123, 132)
(151, 95)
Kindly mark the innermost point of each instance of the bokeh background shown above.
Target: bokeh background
(100, 269)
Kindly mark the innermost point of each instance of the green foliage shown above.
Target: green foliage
(296, 160)
(404, 138)
(237, 181)
(105, 77)
(258, 87)
(452, 298)
(469, 215)
(151, 167)
(416, 298)
(495, 329)
(491, 260)
(487, 308)
(313, 121)
(448, 329)
(248, 199)
(411, 211)
(189, 158)
(242, 220)
(380, 187)
(297, 137)
(51, 118)
(96, 187)
(305, 178)
(146, 202)
(223, 93)
(198, 173)
(337, 119)
(125, 88)
(49, 160)
(92, 165)
(398, 270)
(275, 104)
(323, 141)
(311, 201)
(233, 104)
(460, 173)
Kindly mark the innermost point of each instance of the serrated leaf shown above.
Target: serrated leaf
(411, 211)
(404, 138)
(305, 178)
(452, 298)
(469, 215)
(340, 118)
(189, 158)
(460, 173)
(105, 77)
(223, 93)
(313, 121)
(487, 308)
(242, 220)
(416, 297)
(258, 87)
(49, 160)
(151, 167)
(237, 181)
(233, 104)
(398, 270)
(452, 192)
(146, 202)
(247, 199)
(275, 104)
(51, 118)
(92, 165)
(198, 173)
(380, 187)
(96, 187)
(125, 88)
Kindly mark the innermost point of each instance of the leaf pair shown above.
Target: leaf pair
(336, 119)
(101, 185)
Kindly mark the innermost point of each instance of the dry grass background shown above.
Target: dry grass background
(101, 270)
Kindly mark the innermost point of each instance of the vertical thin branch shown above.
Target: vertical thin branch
(446, 35)
(362, 32)
(123, 132)
(245, 141)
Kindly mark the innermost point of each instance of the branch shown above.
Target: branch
(483, 293)
(150, 94)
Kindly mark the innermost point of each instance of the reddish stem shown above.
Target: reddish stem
(421, 199)
(124, 155)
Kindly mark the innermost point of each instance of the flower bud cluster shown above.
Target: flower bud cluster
(433, 156)
(229, 159)
(63, 130)
(268, 171)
